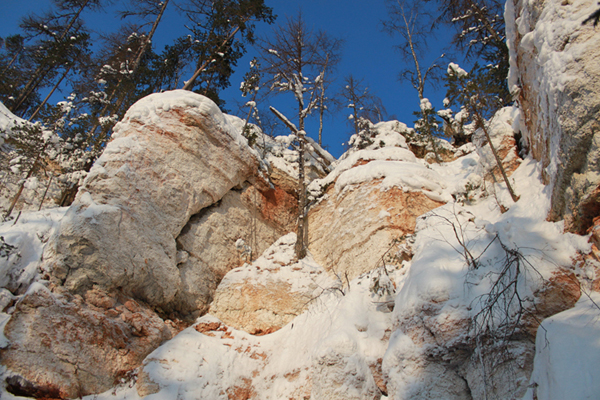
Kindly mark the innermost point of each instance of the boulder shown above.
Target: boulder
(554, 71)
(61, 347)
(173, 155)
(152, 232)
(263, 297)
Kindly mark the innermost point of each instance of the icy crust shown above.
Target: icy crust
(568, 354)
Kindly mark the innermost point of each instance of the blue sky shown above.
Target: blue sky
(367, 53)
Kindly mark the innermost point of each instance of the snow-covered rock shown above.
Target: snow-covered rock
(208, 242)
(213, 360)
(502, 134)
(372, 200)
(173, 155)
(130, 235)
(60, 347)
(554, 69)
(266, 295)
(454, 338)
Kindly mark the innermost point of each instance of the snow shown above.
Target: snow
(19, 271)
(454, 69)
(352, 323)
(7, 121)
(568, 354)
(148, 109)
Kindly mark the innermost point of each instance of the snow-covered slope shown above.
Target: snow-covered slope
(449, 311)
(348, 345)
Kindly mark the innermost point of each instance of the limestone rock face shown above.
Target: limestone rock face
(208, 241)
(61, 347)
(555, 71)
(350, 232)
(434, 355)
(157, 221)
(174, 154)
(264, 296)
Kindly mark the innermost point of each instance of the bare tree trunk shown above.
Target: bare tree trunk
(322, 101)
(46, 192)
(148, 40)
(301, 240)
(302, 228)
(420, 86)
(188, 85)
(481, 122)
(12, 61)
(49, 94)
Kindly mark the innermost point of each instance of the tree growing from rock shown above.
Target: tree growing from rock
(408, 21)
(480, 102)
(363, 105)
(294, 59)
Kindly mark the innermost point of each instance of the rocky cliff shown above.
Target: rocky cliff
(173, 273)
(555, 78)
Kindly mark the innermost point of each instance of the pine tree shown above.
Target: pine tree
(128, 57)
(60, 39)
(219, 34)
(428, 126)
(480, 31)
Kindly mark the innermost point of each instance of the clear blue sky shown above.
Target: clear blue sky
(367, 53)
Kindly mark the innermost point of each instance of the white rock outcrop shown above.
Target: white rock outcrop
(371, 202)
(264, 296)
(59, 346)
(554, 71)
(173, 155)
(207, 244)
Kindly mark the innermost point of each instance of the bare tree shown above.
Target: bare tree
(362, 103)
(295, 59)
(409, 22)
